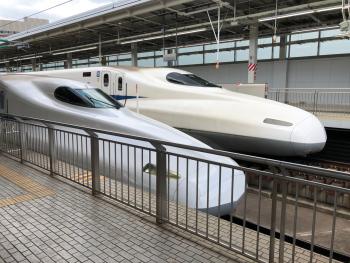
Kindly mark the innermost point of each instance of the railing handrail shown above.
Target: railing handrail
(243, 157)
(307, 89)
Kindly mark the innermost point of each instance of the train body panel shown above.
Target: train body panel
(37, 97)
(249, 122)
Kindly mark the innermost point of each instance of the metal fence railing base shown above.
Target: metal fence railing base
(165, 185)
(330, 102)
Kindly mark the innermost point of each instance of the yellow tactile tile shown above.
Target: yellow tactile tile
(34, 189)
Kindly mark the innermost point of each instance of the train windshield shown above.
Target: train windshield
(189, 80)
(91, 98)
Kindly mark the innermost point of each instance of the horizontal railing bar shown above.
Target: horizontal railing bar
(55, 129)
(201, 160)
(297, 89)
(312, 183)
(127, 144)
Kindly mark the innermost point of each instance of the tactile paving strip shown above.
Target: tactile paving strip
(28, 189)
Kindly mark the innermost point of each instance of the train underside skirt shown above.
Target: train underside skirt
(246, 144)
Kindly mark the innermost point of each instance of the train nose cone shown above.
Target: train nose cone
(308, 136)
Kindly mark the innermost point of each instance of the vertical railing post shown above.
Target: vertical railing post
(316, 102)
(22, 140)
(95, 162)
(284, 188)
(161, 185)
(314, 109)
(273, 220)
(286, 96)
(52, 157)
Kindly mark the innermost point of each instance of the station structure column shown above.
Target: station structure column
(69, 61)
(172, 57)
(283, 50)
(33, 60)
(283, 65)
(253, 51)
(100, 49)
(134, 54)
(7, 66)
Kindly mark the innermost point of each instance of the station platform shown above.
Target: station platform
(50, 219)
(334, 120)
(43, 219)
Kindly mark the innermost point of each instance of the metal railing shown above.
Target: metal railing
(317, 101)
(145, 174)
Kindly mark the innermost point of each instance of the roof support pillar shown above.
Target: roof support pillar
(134, 54)
(69, 62)
(7, 66)
(33, 60)
(283, 49)
(253, 51)
(171, 60)
(100, 49)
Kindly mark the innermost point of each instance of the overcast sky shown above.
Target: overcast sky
(16, 9)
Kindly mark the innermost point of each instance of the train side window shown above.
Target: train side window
(120, 83)
(86, 74)
(106, 80)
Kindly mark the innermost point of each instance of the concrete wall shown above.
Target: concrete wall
(327, 72)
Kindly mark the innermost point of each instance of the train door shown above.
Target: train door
(106, 80)
(120, 87)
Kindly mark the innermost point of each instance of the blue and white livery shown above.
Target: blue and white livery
(219, 117)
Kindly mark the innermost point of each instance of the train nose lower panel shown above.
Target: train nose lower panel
(308, 136)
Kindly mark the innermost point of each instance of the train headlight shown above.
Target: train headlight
(152, 169)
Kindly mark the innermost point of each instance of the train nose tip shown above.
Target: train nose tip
(308, 136)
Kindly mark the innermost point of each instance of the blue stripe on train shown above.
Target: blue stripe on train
(120, 97)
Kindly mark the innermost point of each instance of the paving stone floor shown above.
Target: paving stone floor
(9, 189)
(57, 222)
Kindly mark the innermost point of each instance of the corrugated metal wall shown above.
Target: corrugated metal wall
(327, 72)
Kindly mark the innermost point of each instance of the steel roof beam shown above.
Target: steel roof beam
(268, 25)
(86, 40)
(148, 21)
(246, 17)
(110, 17)
(315, 18)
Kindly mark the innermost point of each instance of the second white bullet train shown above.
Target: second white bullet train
(219, 117)
(219, 188)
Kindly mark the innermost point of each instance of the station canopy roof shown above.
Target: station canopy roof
(158, 24)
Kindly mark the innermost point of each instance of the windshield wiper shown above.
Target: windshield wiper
(91, 100)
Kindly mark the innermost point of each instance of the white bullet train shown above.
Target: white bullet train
(72, 102)
(221, 118)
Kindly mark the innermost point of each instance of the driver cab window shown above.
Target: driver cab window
(106, 80)
(189, 80)
(120, 83)
(91, 98)
(68, 95)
